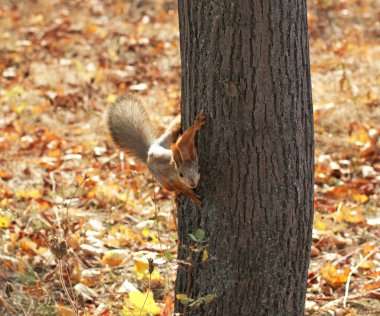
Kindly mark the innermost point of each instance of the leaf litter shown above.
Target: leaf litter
(62, 63)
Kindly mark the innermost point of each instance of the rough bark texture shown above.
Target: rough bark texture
(246, 62)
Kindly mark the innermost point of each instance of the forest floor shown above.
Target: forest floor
(63, 62)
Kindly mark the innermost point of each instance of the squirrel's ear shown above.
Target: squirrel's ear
(176, 154)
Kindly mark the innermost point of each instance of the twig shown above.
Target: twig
(334, 301)
(4, 303)
(69, 204)
(9, 289)
(71, 286)
(151, 267)
(30, 305)
(156, 210)
(353, 270)
(53, 184)
(147, 294)
(58, 219)
(72, 303)
(320, 298)
(20, 305)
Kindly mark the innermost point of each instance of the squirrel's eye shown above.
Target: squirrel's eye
(181, 174)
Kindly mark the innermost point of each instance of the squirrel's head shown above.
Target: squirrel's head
(188, 173)
(187, 169)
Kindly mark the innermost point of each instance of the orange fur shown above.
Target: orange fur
(176, 154)
(185, 144)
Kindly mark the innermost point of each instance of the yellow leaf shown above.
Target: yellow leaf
(5, 222)
(147, 233)
(141, 265)
(354, 216)
(19, 108)
(361, 198)
(4, 202)
(205, 256)
(368, 264)
(111, 98)
(333, 276)
(181, 296)
(156, 276)
(135, 304)
(367, 248)
(320, 226)
(322, 222)
(350, 214)
(15, 92)
(28, 193)
(360, 136)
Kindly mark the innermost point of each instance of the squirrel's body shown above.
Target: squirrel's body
(131, 129)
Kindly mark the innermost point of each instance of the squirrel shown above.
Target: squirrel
(171, 158)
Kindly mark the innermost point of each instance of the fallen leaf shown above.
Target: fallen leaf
(115, 257)
(90, 277)
(62, 310)
(5, 175)
(87, 293)
(135, 304)
(333, 276)
(127, 287)
(350, 214)
(27, 245)
(372, 286)
(28, 193)
(181, 296)
(5, 221)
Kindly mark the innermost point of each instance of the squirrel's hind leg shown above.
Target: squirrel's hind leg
(171, 133)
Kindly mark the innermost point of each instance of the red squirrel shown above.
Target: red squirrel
(172, 159)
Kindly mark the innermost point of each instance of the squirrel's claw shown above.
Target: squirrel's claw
(195, 198)
(200, 119)
(197, 201)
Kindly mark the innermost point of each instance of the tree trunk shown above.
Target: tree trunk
(246, 62)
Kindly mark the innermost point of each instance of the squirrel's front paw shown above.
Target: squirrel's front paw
(197, 200)
(200, 119)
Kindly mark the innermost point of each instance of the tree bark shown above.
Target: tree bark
(246, 62)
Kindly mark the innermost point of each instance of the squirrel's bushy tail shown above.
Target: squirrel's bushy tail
(130, 126)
